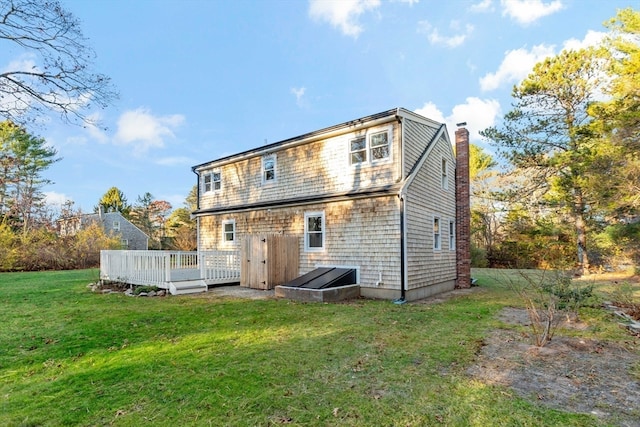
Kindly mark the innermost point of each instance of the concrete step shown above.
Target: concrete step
(187, 287)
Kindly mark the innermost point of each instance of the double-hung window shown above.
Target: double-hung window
(445, 174)
(228, 231)
(370, 148)
(452, 235)
(358, 150)
(314, 231)
(116, 225)
(269, 169)
(379, 146)
(436, 233)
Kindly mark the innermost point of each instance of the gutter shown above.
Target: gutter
(301, 201)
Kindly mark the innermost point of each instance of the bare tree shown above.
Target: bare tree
(55, 72)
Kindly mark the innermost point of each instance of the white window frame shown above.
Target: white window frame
(363, 150)
(322, 232)
(452, 235)
(445, 174)
(368, 149)
(226, 233)
(265, 159)
(372, 148)
(437, 234)
(116, 225)
(124, 243)
(208, 180)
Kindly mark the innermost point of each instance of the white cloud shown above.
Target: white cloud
(94, 131)
(482, 6)
(516, 65)
(299, 94)
(435, 38)
(54, 199)
(593, 38)
(479, 114)
(409, 2)
(143, 130)
(342, 14)
(25, 62)
(431, 111)
(527, 11)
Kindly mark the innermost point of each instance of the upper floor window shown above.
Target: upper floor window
(358, 150)
(212, 181)
(372, 147)
(314, 233)
(445, 174)
(436, 233)
(269, 168)
(228, 231)
(116, 225)
(380, 146)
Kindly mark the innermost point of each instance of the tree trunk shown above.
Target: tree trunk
(581, 232)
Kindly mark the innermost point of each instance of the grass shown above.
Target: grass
(72, 357)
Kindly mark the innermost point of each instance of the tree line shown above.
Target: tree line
(569, 193)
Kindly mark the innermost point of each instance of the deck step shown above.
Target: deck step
(187, 287)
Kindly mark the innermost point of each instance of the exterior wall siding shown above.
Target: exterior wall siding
(310, 169)
(363, 233)
(417, 138)
(426, 199)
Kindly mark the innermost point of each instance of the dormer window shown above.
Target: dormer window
(269, 169)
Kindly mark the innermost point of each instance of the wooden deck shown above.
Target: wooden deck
(169, 269)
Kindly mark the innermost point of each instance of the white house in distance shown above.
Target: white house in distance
(382, 195)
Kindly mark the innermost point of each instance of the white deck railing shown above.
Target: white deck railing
(159, 268)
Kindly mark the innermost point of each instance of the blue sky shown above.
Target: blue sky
(199, 79)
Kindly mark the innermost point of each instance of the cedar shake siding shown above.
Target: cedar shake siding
(378, 214)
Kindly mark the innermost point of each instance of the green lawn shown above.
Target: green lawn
(72, 357)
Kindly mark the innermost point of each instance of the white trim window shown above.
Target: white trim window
(436, 233)
(452, 235)
(212, 181)
(269, 163)
(445, 174)
(116, 225)
(314, 231)
(124, 243)
(358, 150)
(229, 231)
(371, 148)
(379, 143)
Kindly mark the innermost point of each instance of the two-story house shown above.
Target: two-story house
(376, 194)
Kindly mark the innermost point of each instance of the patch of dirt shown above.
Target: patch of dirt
(570, 374)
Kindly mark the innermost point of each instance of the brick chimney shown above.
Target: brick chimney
(463, 209)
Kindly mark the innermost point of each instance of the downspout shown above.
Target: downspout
(197, 208)
(402, 197)
(402, 298)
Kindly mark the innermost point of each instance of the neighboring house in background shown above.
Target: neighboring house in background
(383, 195)
(113, 223)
